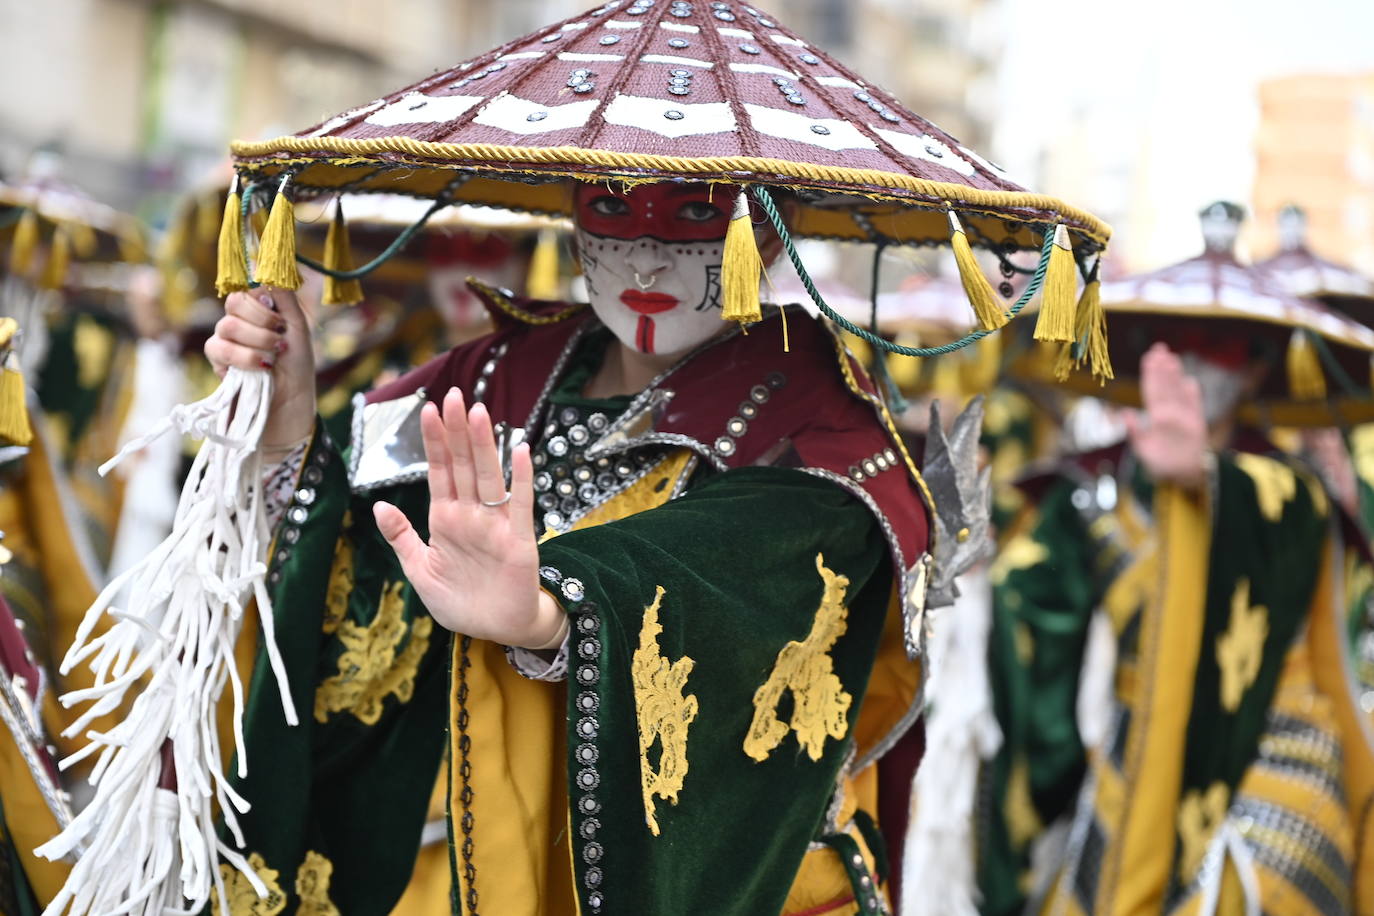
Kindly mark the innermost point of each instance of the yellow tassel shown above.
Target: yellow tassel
(132, 249)
(176, 243)
(231, 274)
(1058, 299)
(1090, 325)
(59, 259)
(1305, 379)
(14, 412)
(741, 266)
(338, 255)
(987, 307)
(542, 281)
(277, 247)
(85, 242)
(24, 244)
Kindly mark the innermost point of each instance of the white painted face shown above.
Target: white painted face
(652, 260)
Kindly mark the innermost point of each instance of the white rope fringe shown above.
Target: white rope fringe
(138, 848)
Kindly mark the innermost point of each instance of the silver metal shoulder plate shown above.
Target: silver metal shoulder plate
(387, 447)
(962, 505)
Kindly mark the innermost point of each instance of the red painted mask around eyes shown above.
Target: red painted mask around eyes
(667, 211)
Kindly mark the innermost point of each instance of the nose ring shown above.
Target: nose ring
(653, 278)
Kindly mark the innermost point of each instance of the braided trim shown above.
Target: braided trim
(936, 192)
(502, 302)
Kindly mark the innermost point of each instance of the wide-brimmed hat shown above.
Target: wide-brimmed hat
(1214, 302)
(1303, 272)
(651, 90)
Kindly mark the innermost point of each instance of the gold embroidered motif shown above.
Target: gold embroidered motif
(1199, 815)
(312, 886)
(1275, 483)
(1241, 648)
(1021, 551)
(340, 579)
(820, 703)
(1023, 821)
(664, 712)
(238, 891)
(370, 668)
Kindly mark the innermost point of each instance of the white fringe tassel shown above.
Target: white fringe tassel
(938, 874)
(141, 849)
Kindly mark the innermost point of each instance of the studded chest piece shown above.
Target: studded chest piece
(567, 484)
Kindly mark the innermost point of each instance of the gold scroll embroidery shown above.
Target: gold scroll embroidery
(312, 886)
(1241, 648)
(1275, 483)
(1199, 815)
(340, 579)
(238, 891)
(664, 712)
(370, 669)
(1020, 552)
(820, 703)
(1023, 820)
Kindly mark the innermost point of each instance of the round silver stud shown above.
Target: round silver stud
(579, 435)
(679, 43)
(819, 129)
(672, 114)
(584, 87)
(748, 409)
(592, 877)
(870, 467)
(750, 49)
(589, 647)
(291, 535)
(891, 456)
(496, 67)
(588, 623)
(588, 493)
(573, 589)
(588, 702)
(759, 394)
(588, 779)
(858, 860)
(881, 461)
(313, 475)
(587, 754)
(587, 675)
(592, 852)
(588, 727)
(736, 426)
(551, 573)
(725, 446)
(305, 496)
(565, 488)
(724, 15)
(609, 39)
(855, 473)
(624, 469)
(551, 37)
(810, 59)
(888, 116)
(767, 23)
(479, 389)
(679, 90)
(935, 151)
(776, 380)
(680, 72)
(558, 446)
(553, 520)
(680, 81)
(589, 828)
(797, 99)
(536, 116)
(297, 515)
(605, 480)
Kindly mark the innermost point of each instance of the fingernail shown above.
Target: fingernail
(281, 346)
(265, 363)
(267, 301)
(280, 327)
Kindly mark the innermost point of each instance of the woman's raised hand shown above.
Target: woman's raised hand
(479, 573)
(265, 328)
(1169, 435)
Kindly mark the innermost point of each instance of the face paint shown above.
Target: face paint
(1221, 386)
(651, 258)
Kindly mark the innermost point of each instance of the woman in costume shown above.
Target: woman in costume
(682, 621)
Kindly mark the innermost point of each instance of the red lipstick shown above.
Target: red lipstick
(647, 303)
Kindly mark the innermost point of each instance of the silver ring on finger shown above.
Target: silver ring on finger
(496, 503)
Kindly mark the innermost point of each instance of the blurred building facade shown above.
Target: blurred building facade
(1315, 148)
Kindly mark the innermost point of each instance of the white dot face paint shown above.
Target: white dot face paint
(652, 259)
(656, 297)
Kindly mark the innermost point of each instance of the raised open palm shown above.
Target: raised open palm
(1169, 435)
(479, 573)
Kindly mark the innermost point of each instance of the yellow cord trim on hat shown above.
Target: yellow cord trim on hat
(502, 302)
(938, 192)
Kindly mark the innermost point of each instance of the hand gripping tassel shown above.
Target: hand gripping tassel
(140, 847)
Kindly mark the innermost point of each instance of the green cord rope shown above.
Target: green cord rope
(765, 200)
(396, 245)
(895, 401)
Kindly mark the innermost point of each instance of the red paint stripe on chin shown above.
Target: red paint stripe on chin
(644, 334)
